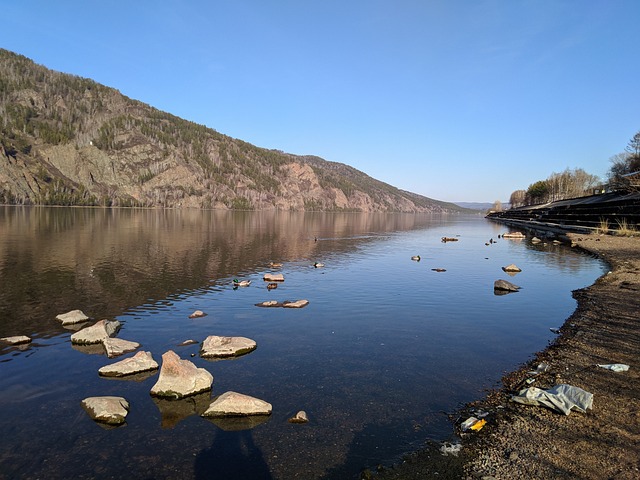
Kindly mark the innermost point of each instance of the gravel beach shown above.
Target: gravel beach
(534, 442)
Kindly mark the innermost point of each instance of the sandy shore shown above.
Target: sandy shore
(531, 442)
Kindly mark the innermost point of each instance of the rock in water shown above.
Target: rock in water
(180, 378)
(296, 304)
(300, 417)
(505, 286)
(96, 333)
(140, 362)
(273, 277)
(16, 340)
(110, 410)
(220, 347)
(233, 404)
(512, 268)
(116, 346)
(74, 316)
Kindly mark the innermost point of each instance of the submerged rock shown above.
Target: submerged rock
(180, 378)
(505, 286)
(233, 404)
(140, 362)
(96, 333)
(115, 347)
(74, 316)
(221, 347)
(110, 410)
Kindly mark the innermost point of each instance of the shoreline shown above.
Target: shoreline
(521, 441)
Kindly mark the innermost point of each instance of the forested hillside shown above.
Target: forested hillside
(67, 140)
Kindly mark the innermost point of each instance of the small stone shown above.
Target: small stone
(512, 268)
(268, 303)
(504, 285)
(198, 314)
(273, 277)
(300, 417)
(296, 304)
(187, 342)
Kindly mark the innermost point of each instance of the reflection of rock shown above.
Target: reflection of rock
(174, 411)
(233, 404)
(513, 235)
(96, 333)
(503, 285)
(93, 349)
(300, 417)
(140, 362)
(16, 340)
(273, 277)
(110, 410)
(220, 347)
(115, 347)
(180, 378)
(74, 316)
(198, 314)
(234, 424)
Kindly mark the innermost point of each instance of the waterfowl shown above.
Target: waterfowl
(272, 285)
(241, 283)
(416, 258)
(318, 265)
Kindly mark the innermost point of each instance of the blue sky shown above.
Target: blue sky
(456, 100)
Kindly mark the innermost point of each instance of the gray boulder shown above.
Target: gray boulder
(296, 304)
(140, 362)
(109, 410)
(221, 347)
(233, 404)
(74, 316)
(96, 333)
(180, 378)
(503, 285)
(273, 277)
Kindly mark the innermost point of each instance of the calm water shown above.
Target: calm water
(383, 351)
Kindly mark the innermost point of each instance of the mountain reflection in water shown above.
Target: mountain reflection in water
(385, 347)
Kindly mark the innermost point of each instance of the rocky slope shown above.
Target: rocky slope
(66, 140)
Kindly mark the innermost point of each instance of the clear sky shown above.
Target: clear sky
(458, 100)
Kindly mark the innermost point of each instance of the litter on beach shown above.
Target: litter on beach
(616, 367)
(451, 449)
(472, 423)
(541, 368)
(561, 398)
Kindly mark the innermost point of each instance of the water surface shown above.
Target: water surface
(384, 350)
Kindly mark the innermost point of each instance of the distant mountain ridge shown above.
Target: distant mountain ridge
(67, 140)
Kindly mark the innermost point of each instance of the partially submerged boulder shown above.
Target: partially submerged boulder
(115, 347)
(296, 304)
(512, 268)
(109, 410)
(273, 277)
(74, 316)
(222, 347)
(269, 303)
(96, 333)
(505, 286)
(180, 378)
(198, 314)
(140, 362)
(300, 417)
(16, 340)
(233, 404)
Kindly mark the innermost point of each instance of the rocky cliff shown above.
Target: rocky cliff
(66, 140)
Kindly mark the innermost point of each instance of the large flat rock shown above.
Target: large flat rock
(221, 347)
(16, 340)
(110, 410)
(140, 362)
(74, 316)
(115, 347)
(96, 333)
(233, 404)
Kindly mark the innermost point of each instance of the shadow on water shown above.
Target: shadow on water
(232, 455)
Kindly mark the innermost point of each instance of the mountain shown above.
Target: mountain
(484, 206)
(67, 140)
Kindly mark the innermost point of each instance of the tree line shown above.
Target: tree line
(577, 182)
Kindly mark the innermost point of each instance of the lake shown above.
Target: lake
(384, 350)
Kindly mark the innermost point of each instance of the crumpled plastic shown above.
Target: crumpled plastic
(616, 367)
(561, 398)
